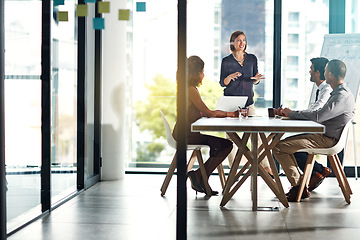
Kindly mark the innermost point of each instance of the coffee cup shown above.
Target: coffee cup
(271, 112)
(244, 112)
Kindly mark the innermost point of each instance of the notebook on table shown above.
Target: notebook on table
(231, 103)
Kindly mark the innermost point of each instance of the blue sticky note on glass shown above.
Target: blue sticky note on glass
(59, 2)
(141, 6)
(99, 23)
(89, 1)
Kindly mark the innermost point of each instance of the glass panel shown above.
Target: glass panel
(209, 28)
(352, 16)
(352, 25)
(304, 25)
(63, 102)
(89, 129)
(303, 28)
(22, 110)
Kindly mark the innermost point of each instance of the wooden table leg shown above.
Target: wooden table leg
(275, 185)
(254, 147)
(265, 149)
(241, 143)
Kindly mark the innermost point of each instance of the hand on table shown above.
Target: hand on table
(278, 111)
(285, 112)
(282, 111)
(234, 114)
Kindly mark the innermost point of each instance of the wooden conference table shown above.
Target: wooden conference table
(254, 127)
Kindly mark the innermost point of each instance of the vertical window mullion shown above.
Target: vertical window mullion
(81, 119)
(97, 98)
(277, 54)
(3, 220)
(46, 106)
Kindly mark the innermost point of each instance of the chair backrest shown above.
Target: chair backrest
(338, 147)
(169, 137)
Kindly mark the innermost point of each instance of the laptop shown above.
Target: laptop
(230, 103)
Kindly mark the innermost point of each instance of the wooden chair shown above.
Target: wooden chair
(334, 161)
(196, 154)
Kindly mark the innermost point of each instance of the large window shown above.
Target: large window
(63, 102)
(352, 25)
(155, 61)
(352, 16)
(23, 107)
(303, 28)
(22, 110)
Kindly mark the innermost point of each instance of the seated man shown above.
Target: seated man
(335, 114)
(323, 91)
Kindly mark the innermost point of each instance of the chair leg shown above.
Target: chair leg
(306, 176)
(168, 176)
(221, 173)
(203, 171)
(347, 185)
(340, 178)
(191, 161)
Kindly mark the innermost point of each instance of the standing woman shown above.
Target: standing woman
(219, 147)
(239, 71)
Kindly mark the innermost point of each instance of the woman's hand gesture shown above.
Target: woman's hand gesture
(256, 79)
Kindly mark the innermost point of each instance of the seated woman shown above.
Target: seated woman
(219, 147)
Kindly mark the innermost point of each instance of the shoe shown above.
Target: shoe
(194, 183)
(315, 180)
(197, 186)
(326, 172)
(292, 194)
(213, 193)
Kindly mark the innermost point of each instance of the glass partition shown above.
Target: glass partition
(304, 24)
(22, 110)
(63, 102)
(352, 25)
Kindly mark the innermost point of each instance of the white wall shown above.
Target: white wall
(113, 93)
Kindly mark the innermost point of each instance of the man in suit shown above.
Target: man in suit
(323, 91)
(335, 114)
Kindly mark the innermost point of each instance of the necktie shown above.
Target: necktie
(317, 95)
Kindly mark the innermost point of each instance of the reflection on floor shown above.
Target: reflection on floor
(23, 194)
(133, 209)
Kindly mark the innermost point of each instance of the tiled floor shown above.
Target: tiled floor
(133, 209)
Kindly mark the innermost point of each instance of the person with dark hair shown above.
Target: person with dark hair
(317, 70)
(219, 147)
(334, 115)
(239, 72)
